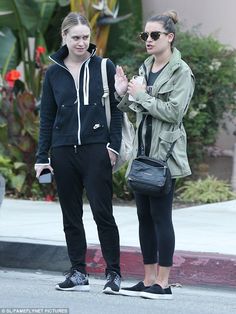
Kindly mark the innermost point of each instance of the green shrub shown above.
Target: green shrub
(13, 172)
(208, 190)
(18, 139)
(120, 187)
(214, 67)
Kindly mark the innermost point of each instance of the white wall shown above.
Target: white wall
(216, 17)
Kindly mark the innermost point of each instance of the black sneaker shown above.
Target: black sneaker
(75, 280)
(136, 290)
(168, 293)
(113, 283)
(133, 291)
(156, 292)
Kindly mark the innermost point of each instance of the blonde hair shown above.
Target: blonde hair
(73, 19)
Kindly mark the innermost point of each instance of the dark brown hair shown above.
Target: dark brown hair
(168, 20)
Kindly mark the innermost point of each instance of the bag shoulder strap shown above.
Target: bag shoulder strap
(144, 151)
(105, 97)
(145, 72)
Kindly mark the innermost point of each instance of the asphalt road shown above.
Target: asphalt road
(25, 291)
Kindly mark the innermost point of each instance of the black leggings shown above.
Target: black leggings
(156, 232)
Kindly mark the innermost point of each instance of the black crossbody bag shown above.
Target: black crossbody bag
(149, 176)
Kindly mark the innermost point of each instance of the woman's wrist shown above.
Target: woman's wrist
(118, 97)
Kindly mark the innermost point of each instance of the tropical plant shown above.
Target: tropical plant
(208, 190)
(125, 46)
(101, 15)
(19, 125)
(23, 28)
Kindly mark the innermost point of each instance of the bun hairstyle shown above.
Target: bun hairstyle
(168, 19)
(173, 15)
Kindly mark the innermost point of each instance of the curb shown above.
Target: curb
(191, 268)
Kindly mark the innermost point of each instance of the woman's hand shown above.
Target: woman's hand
(121, 81)
(39, 169)
(113, 157)
(134, 87)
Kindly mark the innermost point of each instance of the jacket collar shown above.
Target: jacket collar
(165, 75)
(59, 56)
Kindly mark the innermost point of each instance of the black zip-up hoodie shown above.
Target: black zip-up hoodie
(76, 116)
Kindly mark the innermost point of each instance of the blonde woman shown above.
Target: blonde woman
(82, 149)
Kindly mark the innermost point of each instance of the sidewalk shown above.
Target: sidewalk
(31, 236)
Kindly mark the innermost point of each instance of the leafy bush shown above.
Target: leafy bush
(18, 138)
(19, 124)
(125, 47)
(208, 190)
(214, 67)
(13, 172)
(120, 187)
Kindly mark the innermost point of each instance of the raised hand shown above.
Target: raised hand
(121, 81)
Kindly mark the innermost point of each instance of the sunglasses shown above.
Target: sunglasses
(154, 35)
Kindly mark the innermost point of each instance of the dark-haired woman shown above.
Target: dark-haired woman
(160, 104)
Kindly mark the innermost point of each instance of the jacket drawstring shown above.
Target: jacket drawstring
(86, 83)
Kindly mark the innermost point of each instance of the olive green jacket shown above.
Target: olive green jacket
(167, 104)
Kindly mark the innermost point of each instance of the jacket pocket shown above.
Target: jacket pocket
(93, 123)
(165, 91)
(66, 119)
(178, 161)
(166, 138)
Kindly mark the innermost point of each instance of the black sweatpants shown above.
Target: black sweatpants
(89, 167)
(156, 232)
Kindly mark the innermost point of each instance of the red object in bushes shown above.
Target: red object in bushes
(49, 198)
(11, 77)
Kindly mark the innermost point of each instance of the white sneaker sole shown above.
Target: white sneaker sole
(109, 291)
(154, 296)
(75, 288)
(130, 293)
